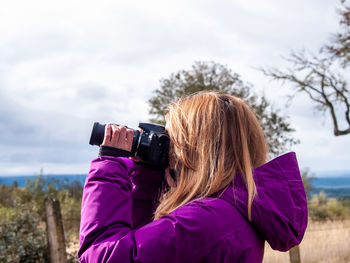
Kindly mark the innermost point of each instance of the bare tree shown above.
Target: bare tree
(328, 90)
(321, 78)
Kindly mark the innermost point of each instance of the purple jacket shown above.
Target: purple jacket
(119, 199)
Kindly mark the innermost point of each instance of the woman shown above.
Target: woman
(222, 205)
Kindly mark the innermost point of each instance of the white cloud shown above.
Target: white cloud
(66, 64)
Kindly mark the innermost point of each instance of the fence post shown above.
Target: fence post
(294, 255)
(54, 231)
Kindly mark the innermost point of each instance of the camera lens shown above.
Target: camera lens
(97, 134)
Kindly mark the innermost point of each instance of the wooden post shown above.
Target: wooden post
(54, 231)
(294, 255)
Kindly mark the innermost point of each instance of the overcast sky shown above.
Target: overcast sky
(65, 64)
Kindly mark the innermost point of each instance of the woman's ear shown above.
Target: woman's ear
(169, 179)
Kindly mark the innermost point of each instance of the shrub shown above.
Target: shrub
(323, 208)
(22, 238)
(22, 218)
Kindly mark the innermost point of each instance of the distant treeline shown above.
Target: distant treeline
(58, 180)
(336, 187)
(338, 193)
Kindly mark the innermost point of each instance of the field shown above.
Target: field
(323, 243)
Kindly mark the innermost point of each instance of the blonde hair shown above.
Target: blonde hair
(213, 137)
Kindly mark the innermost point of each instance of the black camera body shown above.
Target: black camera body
(151, 145)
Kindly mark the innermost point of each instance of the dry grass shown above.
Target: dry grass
(327, 242)
(72, 247)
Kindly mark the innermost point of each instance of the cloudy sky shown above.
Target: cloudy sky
(65, 64)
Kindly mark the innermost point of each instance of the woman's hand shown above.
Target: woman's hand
(118, 137)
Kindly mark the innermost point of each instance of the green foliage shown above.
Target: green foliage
(22, 218)
(6, 195)
(70, 211)
(21, 238)
(7, 213)
(72, 257)
(322, 208)
(217, 77)
(307, 181)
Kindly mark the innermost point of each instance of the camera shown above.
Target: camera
(151, 145)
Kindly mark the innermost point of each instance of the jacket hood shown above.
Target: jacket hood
(279, 211)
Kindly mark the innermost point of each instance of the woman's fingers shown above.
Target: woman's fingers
(135, 159)
(115, 135)
(122, 140)
(129, 139)
(118, 137)
(107, 137)
(122, 134)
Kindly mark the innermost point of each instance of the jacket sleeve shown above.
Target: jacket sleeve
(107, 233)
(146, 187)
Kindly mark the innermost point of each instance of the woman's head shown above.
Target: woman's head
(213, 137)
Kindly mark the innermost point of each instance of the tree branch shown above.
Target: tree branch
(315, 83)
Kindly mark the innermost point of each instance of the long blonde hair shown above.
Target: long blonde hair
(213, 137)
